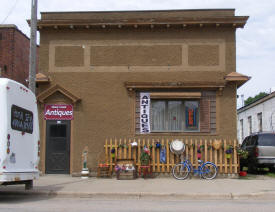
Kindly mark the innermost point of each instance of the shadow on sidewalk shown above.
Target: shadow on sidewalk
(18, 194)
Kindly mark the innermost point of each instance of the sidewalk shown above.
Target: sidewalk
(158, 188)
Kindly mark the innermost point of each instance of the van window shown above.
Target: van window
(244, 144)
(21, 119)
(248, 143)
(254, 140)
(266, 140)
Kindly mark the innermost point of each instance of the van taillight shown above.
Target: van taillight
(256, 152)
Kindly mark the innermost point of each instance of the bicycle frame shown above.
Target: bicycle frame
(200, 166)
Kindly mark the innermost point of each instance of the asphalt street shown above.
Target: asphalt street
(52, 204)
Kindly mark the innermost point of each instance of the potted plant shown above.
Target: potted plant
(144, 158)
(199, 150)
(242, 153)
(229, 151)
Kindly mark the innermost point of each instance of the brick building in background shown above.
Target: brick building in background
(14, 53)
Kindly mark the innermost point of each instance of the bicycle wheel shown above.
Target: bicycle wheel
(180, 171)
(209, 171)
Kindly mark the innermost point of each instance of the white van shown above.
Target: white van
(19, 134)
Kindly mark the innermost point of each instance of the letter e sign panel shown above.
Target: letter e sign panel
(58, 112)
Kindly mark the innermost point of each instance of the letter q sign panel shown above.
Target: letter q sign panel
(58, 112)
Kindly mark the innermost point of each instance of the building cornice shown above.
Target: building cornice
(136, 19)
(233, 21)
(238, 78)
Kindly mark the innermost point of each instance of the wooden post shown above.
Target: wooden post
(120, 149)
(191, 152)
(150, 151)
(230, 160)
(125, 149)
(172, 159)
(205, 150)
(153, 155)
(129, 149)
(211, 152)
(167, 155)
(158, 165)
(221, 159)
(138, 164)
(225, 159)
(135, 153)
(201, 150)
(106, 151)
(235, 158)
(196, 153)
(111, 159)
(116, 149)
(215, 155)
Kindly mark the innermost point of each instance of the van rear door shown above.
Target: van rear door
(266, 145)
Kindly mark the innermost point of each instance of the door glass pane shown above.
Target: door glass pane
(58, 130)
(175, 116)
(158, 115)
(191, 115)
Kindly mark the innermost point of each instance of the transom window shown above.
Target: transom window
(174, 115)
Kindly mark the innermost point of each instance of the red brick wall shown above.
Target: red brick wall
(14, 53)
(6, 51)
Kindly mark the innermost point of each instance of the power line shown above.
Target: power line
(11, 10)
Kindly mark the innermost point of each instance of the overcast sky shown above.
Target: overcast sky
(255, 43)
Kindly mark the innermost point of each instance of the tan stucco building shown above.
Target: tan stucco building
(100, 64)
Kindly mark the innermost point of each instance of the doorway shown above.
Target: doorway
(58, 146)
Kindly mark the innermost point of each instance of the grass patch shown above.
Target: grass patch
(270, 174)
(259, 171)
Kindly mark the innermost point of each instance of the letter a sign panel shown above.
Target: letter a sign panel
(144, 113)
(58, 112)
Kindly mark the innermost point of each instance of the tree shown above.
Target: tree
(249, 100)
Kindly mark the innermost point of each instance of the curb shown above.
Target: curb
(146, 195)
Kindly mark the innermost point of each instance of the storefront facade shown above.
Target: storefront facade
(132, 75)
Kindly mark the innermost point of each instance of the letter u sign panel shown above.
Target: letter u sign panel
(58, 112)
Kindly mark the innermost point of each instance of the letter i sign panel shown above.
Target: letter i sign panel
(58, 112)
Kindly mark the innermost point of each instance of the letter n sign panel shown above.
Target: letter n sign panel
(144, 113)
(58, 112)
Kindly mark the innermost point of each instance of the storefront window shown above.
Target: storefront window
(174, 115)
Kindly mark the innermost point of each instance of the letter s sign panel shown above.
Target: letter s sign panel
(58, 112)
(144, 113)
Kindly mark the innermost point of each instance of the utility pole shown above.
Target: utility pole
(32, 58)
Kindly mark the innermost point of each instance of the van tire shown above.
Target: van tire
(29, 185)
(251, 168)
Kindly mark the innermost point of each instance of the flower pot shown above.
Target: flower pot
(228, 156)
(217, 144)
(243, 173)
(199, 155)
(158, 145)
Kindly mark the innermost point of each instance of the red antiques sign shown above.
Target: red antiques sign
(58, 112)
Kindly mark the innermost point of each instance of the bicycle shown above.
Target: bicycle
(207, 170)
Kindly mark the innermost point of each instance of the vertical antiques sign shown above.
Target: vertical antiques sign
(58, 112)
(144, 113)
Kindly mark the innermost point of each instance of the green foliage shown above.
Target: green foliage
(256, 97)
(144, 158)
(242, 153)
